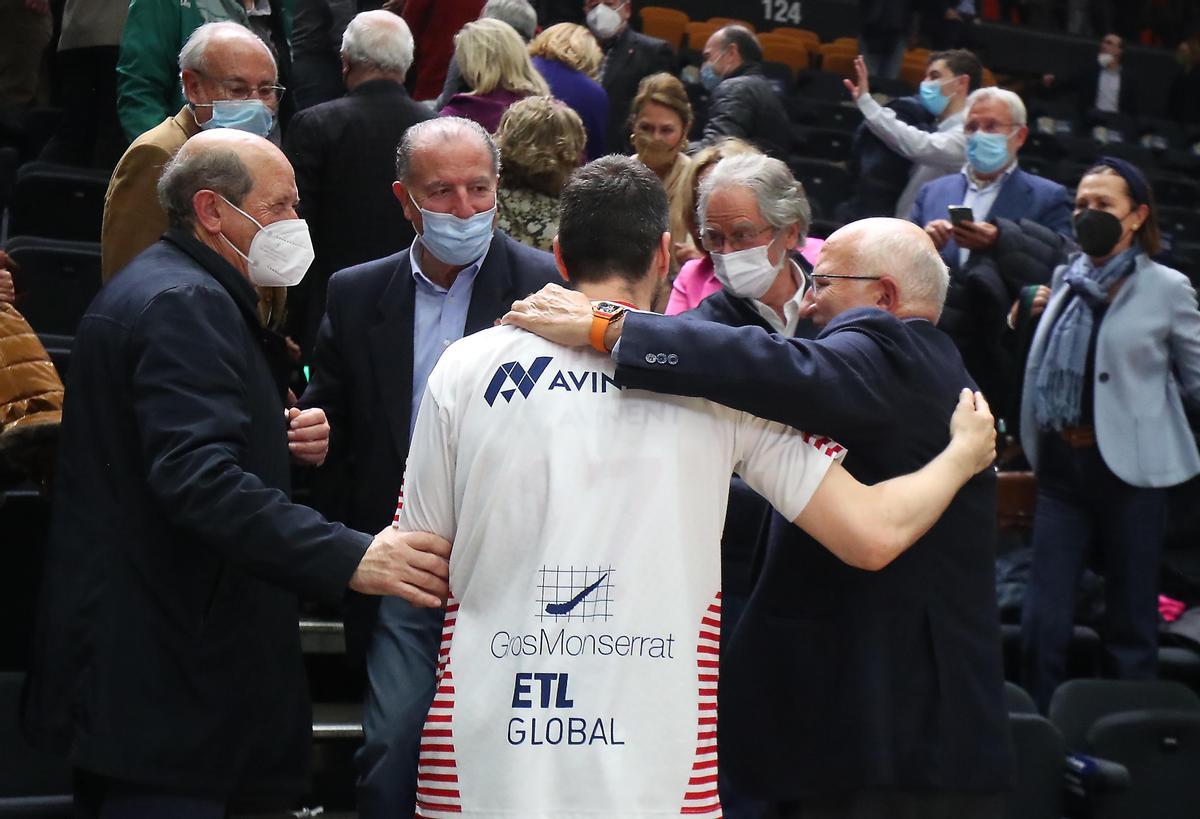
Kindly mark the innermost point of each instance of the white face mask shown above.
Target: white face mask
(747, 273)
(603, 21)
(1105, 60)
(280, 253)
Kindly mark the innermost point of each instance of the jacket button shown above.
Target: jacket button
(672, 359)
(661, 358)
(650, 358)
(1103, 378)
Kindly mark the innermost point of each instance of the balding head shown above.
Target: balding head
(425, 137)
(225, 61)
(895, 265)
(217, 169)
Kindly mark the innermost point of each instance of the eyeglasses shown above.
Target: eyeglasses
(714, 240)
(442, 197)
(818, 284)
(987, 127)
(238, 90)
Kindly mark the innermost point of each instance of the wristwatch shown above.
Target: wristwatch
(604, 313)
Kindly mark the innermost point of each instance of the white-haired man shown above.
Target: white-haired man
(845, 693)
(229, 80)
(344, 152)
(999, 195)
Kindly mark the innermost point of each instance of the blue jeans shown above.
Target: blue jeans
(401, 676)
(1081, 502)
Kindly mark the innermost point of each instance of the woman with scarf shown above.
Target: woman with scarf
(1114, 358)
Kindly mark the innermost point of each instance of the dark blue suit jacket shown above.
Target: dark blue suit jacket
(363, 369)
(838, 679)
(1023, 196)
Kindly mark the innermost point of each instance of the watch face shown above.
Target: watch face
(606, 307)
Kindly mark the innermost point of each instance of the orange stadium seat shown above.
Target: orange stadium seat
(730, 21)
(988, 77)
(793, 55)
(662, 12)
(669, 28)
(809, 39)
(698, 34)
(838, 61)
(849, 42)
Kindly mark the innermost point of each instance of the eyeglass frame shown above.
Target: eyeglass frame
(254, 92)
(728, 240)
(1000, 128)
(815, 276)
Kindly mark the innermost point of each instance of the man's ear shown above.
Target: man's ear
(558, 261)
(208, 215)
(191, 85)
(662, 256)
(888, 295)
(406, 203)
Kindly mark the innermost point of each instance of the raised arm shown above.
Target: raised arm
(870, 526)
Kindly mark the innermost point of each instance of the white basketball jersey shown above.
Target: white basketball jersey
(580, 655)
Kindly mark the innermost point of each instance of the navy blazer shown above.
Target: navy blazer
(167, 620)
(363, 366)
(1022, 196)
(838, 679)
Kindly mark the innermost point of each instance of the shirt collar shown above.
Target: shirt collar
(423, 281)
(791, 308)
(975, 184)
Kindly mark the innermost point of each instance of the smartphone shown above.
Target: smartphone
(960, 214)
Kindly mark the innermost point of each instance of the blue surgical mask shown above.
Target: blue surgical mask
(987, 153)
(932, 98)
(709, 78)
(453, 240)
(252, 116)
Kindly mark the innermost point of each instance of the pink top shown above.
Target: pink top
(697, 280)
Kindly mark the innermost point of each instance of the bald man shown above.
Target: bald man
(167, 659)
(843, 693)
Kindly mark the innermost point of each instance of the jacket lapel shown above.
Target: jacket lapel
(1013, 201)
(491, 295)
(391, 351)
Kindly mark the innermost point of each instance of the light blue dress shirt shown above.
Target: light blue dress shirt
(439, 320)
(980, 200)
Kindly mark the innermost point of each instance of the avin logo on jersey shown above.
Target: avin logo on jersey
(570, 593)
(521, 378)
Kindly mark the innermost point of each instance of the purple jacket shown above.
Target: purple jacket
(486, 109)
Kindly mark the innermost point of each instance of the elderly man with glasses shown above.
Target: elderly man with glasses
(229, 79)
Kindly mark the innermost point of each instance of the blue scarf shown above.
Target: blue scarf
(1057, 401)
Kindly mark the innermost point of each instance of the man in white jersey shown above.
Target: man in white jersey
(579, 661)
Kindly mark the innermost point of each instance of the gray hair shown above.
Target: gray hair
(1016, 108)
(780, 197)
(517, 13)
(379, 39)
(907, 256)
(448, 129)
(192, 55)
(217, 169)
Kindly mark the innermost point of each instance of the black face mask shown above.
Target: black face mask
(1097, 232)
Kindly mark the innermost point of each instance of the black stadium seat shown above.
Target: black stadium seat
(58, 202)
(1140, 745)
(826, 184)
(821, 85)
(57, 279)
(821, 143)
(1040, 754)
(1175, 192)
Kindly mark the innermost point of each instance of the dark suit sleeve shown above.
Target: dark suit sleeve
(918, 214)
(191, 402)
(303, 149)
(1057, 211)
(326, 388)
(837, 384)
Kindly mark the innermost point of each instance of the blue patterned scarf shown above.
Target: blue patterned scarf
(1057, 402)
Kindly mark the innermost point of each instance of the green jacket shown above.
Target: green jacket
(148, 85)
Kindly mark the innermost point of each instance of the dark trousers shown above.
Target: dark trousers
(893, 804)
(89, 134)
(401, 677)
(98, 797)
(1081, 502)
